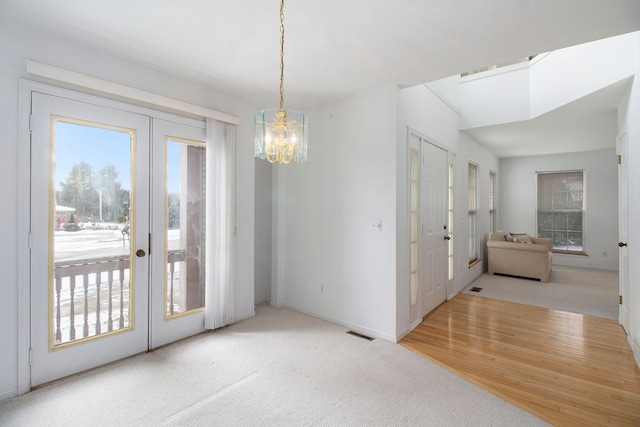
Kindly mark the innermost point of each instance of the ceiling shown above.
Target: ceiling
(333, 48)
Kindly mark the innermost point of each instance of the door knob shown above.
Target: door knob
(447, 237)
(140, 253)
(622, 245)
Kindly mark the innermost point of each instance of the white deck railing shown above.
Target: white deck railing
(91, 296)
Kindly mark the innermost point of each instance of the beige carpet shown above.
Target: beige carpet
(280, 368)
(577, 290)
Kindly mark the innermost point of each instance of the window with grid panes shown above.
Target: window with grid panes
(560, 214)
(492, 202)
(473, 210)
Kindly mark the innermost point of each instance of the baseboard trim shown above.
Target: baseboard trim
(635, 348)
(415, 324)
(402, 334)
(246, 317)
(349, 325)
(9, 394)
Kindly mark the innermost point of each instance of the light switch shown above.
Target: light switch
(376, 225)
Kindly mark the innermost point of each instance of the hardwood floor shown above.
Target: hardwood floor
(566, 368)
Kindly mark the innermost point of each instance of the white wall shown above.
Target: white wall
(425, 113)
(529, 89)
(263, 231)
(448, 90)
(505, 89)
(356, 173)
(565, 75)
(17, 45)
(518, 201)
(324, 213)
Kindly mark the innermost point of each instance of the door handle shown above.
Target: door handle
(447, 237)
(140, 253)
(622, 245)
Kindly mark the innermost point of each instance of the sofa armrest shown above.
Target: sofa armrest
(512, 246)
(542, 241)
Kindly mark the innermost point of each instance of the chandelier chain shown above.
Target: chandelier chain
(282, 55)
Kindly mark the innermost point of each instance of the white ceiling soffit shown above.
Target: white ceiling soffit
(587, 124)
(333, 48)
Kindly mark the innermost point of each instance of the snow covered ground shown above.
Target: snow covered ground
(74, 245)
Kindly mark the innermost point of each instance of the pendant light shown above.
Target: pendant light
(280, 134)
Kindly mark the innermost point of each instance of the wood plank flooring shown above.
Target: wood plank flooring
(566, 368)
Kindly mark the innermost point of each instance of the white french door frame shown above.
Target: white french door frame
(26, 88)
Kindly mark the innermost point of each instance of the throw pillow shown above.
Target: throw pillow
(522, 238)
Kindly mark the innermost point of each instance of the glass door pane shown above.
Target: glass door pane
(91, 206)
(185, 225)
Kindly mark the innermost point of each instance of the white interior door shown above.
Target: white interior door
(623, 224)
(434, 234)
(178, 231)
(89, 236)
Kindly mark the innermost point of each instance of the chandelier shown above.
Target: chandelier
(281, 135)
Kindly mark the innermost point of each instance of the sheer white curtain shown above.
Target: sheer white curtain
(220, 224)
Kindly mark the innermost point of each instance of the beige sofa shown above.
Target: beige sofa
(531, 260)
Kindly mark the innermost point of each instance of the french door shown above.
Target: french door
(117, 220)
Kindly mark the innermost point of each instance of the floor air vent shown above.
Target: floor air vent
(355, 334)
(475, 289)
